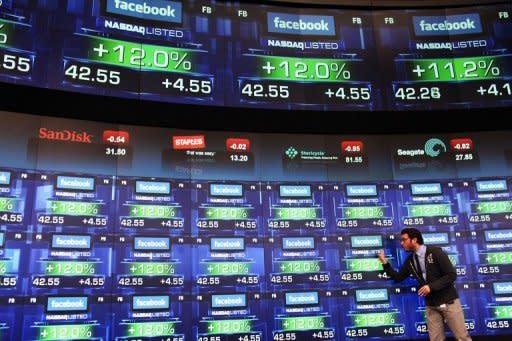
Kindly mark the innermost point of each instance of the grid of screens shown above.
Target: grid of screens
(134, 233)
(243, 55)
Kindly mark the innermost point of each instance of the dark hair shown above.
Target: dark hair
(413, 233)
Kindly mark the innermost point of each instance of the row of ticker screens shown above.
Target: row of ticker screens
(170, 238)
(245, 55)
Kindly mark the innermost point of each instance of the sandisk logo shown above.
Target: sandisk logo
(188, 142)
(65, 135)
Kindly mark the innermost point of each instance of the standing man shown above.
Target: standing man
(432, 268)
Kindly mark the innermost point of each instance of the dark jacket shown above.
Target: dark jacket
(440, 275)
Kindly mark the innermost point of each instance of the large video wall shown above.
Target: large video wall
(246, 55)
(112, 232)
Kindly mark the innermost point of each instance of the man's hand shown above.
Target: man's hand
(424, 290)
(382, 258)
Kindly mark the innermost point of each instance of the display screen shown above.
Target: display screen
(117, 232)
(261, 56)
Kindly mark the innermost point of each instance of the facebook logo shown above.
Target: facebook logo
(168, 11)
(447, 25)
(300, 24)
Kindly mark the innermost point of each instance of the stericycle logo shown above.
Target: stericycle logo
(168, 11)
(447, 25)
(300, 24)
(291, 152)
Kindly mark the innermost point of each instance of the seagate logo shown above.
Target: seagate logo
(434, 147)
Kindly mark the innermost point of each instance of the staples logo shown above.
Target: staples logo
(447, 25)
(300, 24)
(188, 142)
(65, 135)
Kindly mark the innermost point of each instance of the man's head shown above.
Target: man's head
(411, 239)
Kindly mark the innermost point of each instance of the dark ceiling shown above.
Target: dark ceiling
(377, 3)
